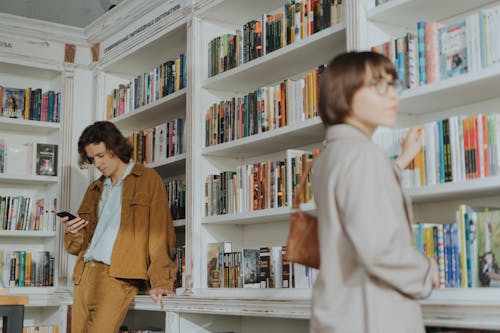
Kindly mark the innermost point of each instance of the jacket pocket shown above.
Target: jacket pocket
(139, 207)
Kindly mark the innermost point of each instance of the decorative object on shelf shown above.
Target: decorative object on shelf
(302, 246)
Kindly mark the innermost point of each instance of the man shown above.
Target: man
(123, 235)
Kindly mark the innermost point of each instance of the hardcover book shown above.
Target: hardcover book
(13, 102)
(46, 159)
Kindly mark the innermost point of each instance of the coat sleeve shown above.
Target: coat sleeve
(75, 243)
(371, 203)
(161, 270)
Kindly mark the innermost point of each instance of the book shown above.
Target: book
(452, 50)
(488, 245)
(2, 155)
(13, 102)
(46, 159)
(251, 269)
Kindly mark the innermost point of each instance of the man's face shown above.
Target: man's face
(103, 159)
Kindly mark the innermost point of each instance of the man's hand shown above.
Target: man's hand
(157, 293)
(74, 225)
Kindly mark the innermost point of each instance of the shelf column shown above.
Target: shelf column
(66, 119)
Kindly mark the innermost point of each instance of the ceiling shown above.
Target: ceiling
(78, 13)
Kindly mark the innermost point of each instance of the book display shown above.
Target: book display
(444, 52)
(220, 97)
(30, 142)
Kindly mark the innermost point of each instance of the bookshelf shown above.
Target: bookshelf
(45, 306)
(467, 94)
(231, 307)
(143, 53)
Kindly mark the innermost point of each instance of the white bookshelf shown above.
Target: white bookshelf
(28, 126)
(453, 92)
(171, 106)
(27, 233)
(406, 13)
(31, 179)
(301, 56)
(469, 94)
(294, 135)
(468, 189)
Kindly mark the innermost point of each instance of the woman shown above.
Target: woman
(370, 277)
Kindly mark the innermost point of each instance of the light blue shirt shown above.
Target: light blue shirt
(109, 217)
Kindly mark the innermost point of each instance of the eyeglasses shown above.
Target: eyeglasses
(382, 86)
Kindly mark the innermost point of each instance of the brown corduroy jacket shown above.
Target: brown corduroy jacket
(145, 242)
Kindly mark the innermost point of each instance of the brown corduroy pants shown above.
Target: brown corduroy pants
(100, 302)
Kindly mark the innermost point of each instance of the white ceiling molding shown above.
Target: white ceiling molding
(121, 16)
(12, 25)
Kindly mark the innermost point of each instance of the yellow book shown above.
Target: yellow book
(27, 103)
(462, 248)
(27, 275)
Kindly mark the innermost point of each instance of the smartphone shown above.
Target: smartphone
(66, 214)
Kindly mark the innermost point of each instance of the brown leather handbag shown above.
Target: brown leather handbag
(302, 246)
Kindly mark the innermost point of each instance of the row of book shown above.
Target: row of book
(29, 269)
(35, 213)
(251, 187)
(288, 24)
(180, 263)
(263, 110)
(455, 149)
(176, 195)
(257, 186)
(254, 268)
(30, 104)
(156, 144)
(438, 51)
(28, 159)
(147, 88)
(465, 250)
(456, 330)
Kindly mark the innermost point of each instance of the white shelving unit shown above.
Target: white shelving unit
(44, 307)
(468, 94)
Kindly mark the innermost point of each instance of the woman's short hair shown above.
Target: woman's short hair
(344, 75)
(107, 133)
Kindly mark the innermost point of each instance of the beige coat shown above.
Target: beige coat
(370, 277)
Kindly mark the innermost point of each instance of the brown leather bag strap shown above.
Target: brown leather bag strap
(303, 179)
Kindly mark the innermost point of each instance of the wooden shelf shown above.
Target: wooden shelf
(27, 180)
(28, 126)
(304, 55)
(291, 136)
(169, 107)
(406, 13)
(453, 92)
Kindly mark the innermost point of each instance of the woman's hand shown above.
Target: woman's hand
(411, 146)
